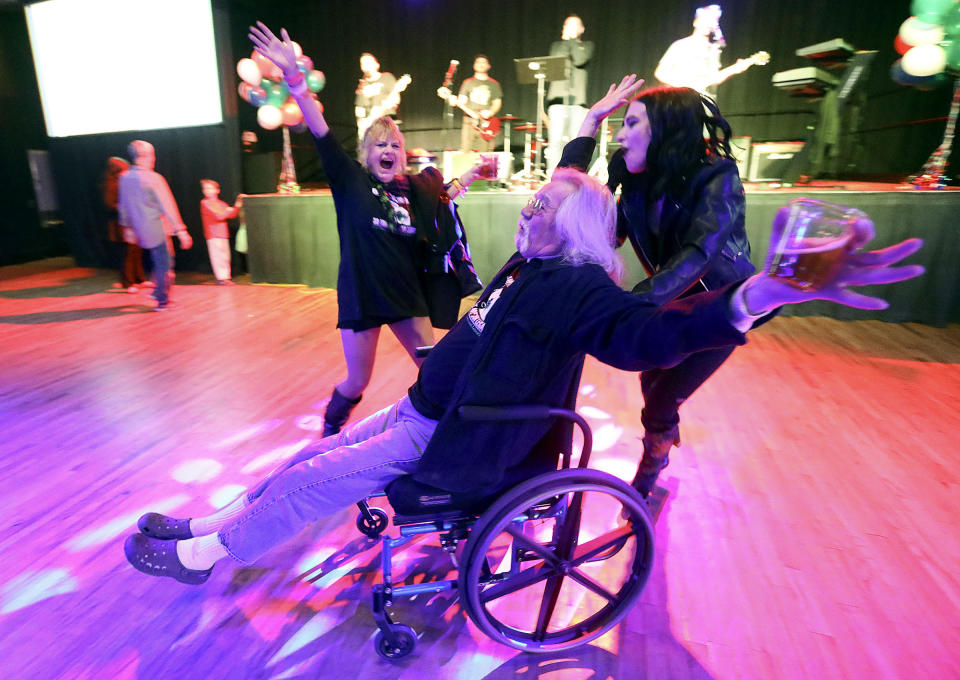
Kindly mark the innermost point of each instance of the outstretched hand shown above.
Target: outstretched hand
(617, 95)
(278, 50)
(763, 293)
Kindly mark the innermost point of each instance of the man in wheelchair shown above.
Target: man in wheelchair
(523, 342)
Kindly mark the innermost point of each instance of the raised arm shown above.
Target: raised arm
(617, 95)
(281, 52)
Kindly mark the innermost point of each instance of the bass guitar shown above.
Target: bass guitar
(486, 127)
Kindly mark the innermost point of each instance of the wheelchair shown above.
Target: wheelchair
(552, 561)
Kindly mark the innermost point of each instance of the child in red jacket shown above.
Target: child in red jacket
(215, 214)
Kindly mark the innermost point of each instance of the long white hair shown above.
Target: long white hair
(586, 223)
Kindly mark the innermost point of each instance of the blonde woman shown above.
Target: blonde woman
(385, 248)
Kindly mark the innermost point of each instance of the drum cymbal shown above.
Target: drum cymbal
(509, 117)
(526, 127)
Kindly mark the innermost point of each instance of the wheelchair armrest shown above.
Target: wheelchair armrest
(470, 412)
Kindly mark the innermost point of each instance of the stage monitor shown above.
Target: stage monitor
(117, 65)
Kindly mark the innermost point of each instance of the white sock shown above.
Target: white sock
(201, 526)
(200, 553)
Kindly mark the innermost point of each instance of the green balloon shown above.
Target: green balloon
(930, 11)
(316, 80)
(953, 54)
(951, 23)
(277, 93)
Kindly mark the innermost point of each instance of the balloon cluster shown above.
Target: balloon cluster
(930, 44)
(263, 86)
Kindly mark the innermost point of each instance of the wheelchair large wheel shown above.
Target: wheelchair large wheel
(566, 577)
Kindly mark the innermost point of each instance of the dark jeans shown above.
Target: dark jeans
(664, 389)
(131, 272)
(160, 257)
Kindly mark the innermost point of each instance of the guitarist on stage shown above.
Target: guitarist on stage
(376, 94)
(482, 95)
(694, 61)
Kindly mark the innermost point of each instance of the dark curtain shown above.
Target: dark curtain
(22, 238)
(184, 156)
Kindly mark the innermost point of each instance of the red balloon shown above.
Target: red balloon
(290, 112)
(901, 45)
(269, 70)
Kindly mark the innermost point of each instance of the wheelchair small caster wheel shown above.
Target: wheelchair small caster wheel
(375, 525)
(404, 644)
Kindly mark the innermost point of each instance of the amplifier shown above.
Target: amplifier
(769, 160)
(740, 146)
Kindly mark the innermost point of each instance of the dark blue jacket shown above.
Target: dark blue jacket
(532, 345)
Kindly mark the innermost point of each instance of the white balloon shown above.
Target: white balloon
(269, 117)
(248, 70)
(924, 60)
(915, 32)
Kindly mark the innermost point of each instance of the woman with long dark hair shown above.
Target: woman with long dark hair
(682, 208)
(398, 238)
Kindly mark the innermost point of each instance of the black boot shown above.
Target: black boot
(338, 410)
(656, 456)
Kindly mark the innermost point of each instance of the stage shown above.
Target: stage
(810, 532)
(293, 239)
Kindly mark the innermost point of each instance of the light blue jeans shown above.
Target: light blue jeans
(328, 475)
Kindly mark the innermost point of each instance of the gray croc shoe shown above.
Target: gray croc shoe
(159, 558)
(155, 525)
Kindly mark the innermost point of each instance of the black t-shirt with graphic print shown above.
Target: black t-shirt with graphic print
(377, 281)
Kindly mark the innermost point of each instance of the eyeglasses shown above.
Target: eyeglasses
(535, 205)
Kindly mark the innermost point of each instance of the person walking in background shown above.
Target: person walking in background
(131, 266)
(214, 213)
(146, 205)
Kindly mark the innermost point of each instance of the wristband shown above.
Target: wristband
(297, 85)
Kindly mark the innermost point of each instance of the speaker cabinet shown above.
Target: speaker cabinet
(769, 160)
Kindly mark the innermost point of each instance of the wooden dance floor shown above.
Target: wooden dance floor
(811, 529)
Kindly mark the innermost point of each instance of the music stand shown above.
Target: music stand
(541, 70)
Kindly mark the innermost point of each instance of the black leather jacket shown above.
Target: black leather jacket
(688, 246)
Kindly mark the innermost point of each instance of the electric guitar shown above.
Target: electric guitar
(741, 65)
(686, 75)
(389, 102)
(486, 127)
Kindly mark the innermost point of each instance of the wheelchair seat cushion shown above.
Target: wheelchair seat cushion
(410, 497)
